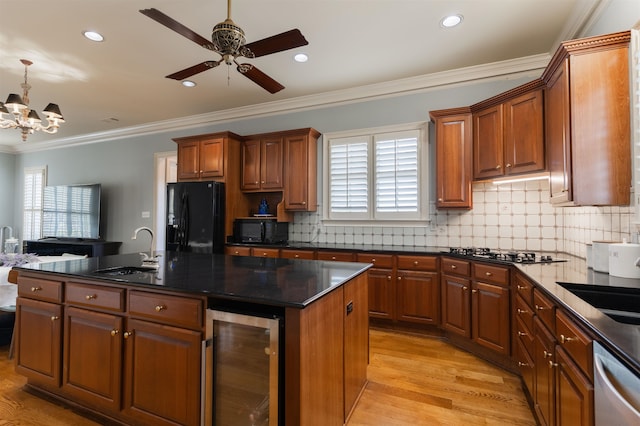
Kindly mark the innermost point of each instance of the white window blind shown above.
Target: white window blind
(34, 183)
(376, 176)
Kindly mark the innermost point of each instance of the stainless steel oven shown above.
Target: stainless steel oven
(616, 390)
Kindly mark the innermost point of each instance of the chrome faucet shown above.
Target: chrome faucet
(149, 259)
(2, 228)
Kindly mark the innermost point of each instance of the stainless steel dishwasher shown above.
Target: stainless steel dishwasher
(616, 390)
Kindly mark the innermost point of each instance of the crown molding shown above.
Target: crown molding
(527, 66)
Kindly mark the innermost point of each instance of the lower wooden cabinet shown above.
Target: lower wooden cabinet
(574, 393)
(456, 305)
(418, 297)
(490, 311)
(381, 293)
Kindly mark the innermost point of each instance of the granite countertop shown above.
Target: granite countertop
(262, 281)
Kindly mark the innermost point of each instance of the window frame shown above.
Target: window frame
(371, 217)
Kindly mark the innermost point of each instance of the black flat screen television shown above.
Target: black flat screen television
(71, 212)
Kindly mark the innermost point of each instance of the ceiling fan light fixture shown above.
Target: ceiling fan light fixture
(93, 36)
(301, 57)
(227, 38)
(451, 21)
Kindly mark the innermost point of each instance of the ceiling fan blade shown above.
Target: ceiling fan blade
(176, 26)
(188, 72)
(277, 43)
(260, 78)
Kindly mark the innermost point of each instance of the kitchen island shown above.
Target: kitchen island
(136, 346)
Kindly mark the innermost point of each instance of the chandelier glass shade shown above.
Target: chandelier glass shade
(16, 114)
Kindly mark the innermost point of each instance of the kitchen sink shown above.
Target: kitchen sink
(126, 270)
(620, 303)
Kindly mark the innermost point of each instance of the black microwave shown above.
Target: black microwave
(260, 231)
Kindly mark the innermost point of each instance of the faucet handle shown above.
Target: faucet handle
(145, 257)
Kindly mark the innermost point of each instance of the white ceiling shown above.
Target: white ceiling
(103, 88)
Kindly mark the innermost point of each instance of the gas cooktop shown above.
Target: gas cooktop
(506, 256)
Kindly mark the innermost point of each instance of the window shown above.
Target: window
(376, 175)
(35, 179)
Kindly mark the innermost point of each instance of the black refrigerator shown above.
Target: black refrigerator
(195, 217)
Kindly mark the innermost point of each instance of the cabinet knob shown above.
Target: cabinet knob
(474, 291)
(34, 289)
(465, 288)
(488, 274)
(114, 332)
(546, 354)
(440, 199)
(521, 311)
(415, 263)
(160, 308)
(263, 182)
(454, 267)
(498, 167)
(54, 318)
(508, 165)
(399, 278)
(521, 333)
(90, 296)
(389, 277)
(373, 260)
(236, 252)
(552, 364)
(128, 334)
(296, 256)
(522, 364)
(522, 287)
(565, 339)
(540, 308)
(304, 203)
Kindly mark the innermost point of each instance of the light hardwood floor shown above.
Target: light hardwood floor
(413, 380)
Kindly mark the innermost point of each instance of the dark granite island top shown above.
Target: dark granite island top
(263, 281)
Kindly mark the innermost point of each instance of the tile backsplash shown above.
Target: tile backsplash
(515, 216)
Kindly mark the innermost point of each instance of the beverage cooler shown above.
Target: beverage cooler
(243, 357)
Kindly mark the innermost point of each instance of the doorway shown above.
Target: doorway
(166, 168)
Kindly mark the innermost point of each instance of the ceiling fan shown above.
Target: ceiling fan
(227, 39)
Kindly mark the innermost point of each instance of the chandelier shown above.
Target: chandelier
(16, 114)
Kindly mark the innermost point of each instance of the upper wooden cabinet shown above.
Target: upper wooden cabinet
(587, 121)
(508, 133)
(300, 169)
(205, 157)
(453, 158)
(262, 164)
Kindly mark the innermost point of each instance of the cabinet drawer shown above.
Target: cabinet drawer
(524, 288)
(491, 273)
(175, 310)
(95, 296)
(237, 251)
(378, 260)
(265, 252)
(576, 342)
(525, 335)
(340, 256)
(40, 289)
(297, 254)
(544, 309)
(418, 263)
(455, 267)
(524, 312)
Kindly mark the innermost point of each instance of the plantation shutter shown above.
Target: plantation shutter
(349, 177)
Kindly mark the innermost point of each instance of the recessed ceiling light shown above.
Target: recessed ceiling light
(93, 36)
(451, 21)
(188, 83)
(301, 57)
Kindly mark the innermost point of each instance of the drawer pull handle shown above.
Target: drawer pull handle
(546, 354)
(552, 364)
(522, 311)
(521, 333)
(34, 289)
(90, 296)
(453, 266)
(160, 308)
(115, 332)
(128, 334)
(522, 364)
(540, 308)
(564, 339)
(522, 287)
(54, 318)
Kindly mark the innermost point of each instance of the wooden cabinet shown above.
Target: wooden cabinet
(508, 133)
(490, 307)
(453, 158)
(201, 159)
(587, 121)
(418, 290)
(544, 372)
(262, 164)
(381, 279)
(300, 165)
(455, 300)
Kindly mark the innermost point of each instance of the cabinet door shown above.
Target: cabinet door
(574, 393)
(557, 135)
(453, 162)
(212, 158)
(250, 165)
(488, 143)
(300, 165)
(271, 164)
(524, 134)
(418, 297)
(490, 317)
(93, 357)
(381, 293)
(39, 341)
(456, 305)
(545, 383)
(188, 160)
(167, 390)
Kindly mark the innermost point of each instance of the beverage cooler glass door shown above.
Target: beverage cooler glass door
(245, 369)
